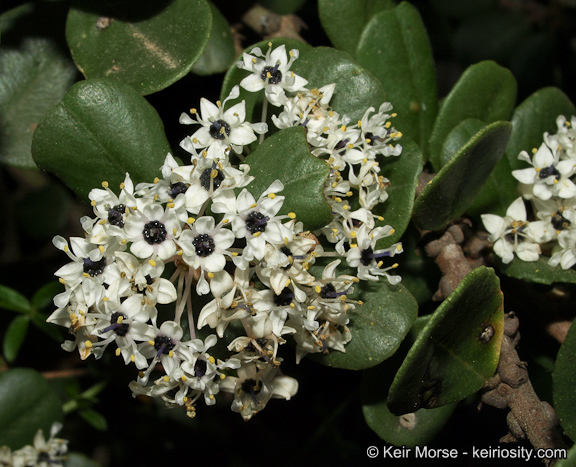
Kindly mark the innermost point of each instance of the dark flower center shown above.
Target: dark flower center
(275, 74)
(547, 171)
(177, 188)
(163, 344)
(256, 222)
(219, 129)
(285, 297)
(204, 245)
(366, 256)
(119, 328)
(94, 268)
(372, 137)
(154, 232)
(200, 368)
(207, 176)
(559, 222)
(116, 215)
(328, 291)
(250, 386)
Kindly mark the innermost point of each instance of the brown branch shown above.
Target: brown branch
(529, 417)
(269, 24)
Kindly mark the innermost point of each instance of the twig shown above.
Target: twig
(529, 417)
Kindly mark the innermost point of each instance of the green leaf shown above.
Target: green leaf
(394, 46)
(101, 130)
(485, 91)
(403, 172)
(27, 403)
(219, 52)
(344, 20)
(235, 75)
(44, 296)
(33, 79)
(458, 137)
(500, 188)
(356, 88)
(95, 419)
(285, 156)
(564, 381)
(147, 44)
(457, 351)
(50, 329)
(377, 327)
(10, 299)
(14, 337)
(532, 118)
(417, 428)
(452, 190)
(570, 459)
(539, 272)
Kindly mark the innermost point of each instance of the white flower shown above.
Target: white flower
(549, 175)
(512, 234)
(221, 129)
(271, 72)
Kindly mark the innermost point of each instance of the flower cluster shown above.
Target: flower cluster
(548, 185)
(42, 454)
(227, 260)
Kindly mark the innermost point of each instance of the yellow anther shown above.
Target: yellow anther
(388, 125)
(254, 60)
(346, 207)
(93, 203)
(171, 354)
(368, 140)
(534, 151)
(156, 180)
(252, 206)
(337, 199)
(365, 160)
(151, 342)
(399, 248)
(380, 263)
(132, 358)
(124, 241)
(193, 110)
(394, 114)
(222, 376)
(85, 274)
(183, 378)
(271, 195)
(190, 220)
(268, 75)
(311, 307)
(170, 205)
(349, 193)
(353, 234)
(152, 263)
(88, 344)
(166, 379)
(398, 134)
(555, 181)
(325, 129)
(210, 275)
(195, 140)
(118, 352)
(318, 289)
(62, 281)
(380, 218)
(211, 360)
(211, 396)
(343, 127)
(395, 265)
(350, 146)
(353, 245)
(359, 123)
(392, 231)
(287, 283)
(105, 184)
(225, 221)
(292, 215)
(257, 234)
(174, 231)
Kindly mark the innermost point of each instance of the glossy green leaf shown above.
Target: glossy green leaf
(539, 271)
(35, 73)
(457, 351)
(532, 118)
(485, 91)
(403, 172)
(452, 190)
(27, 403)
(458, 137)
(564, 380)
(101, 130)
(285, 156)
(95, 419)
(14, 337)
(394, 46)
(356, 89)
(377, 327)
(11, 299)
(570, 459)
(235, 75)
(219, 52)
(344, 20)
(147, 44)
(500, 189)
(417, 428)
